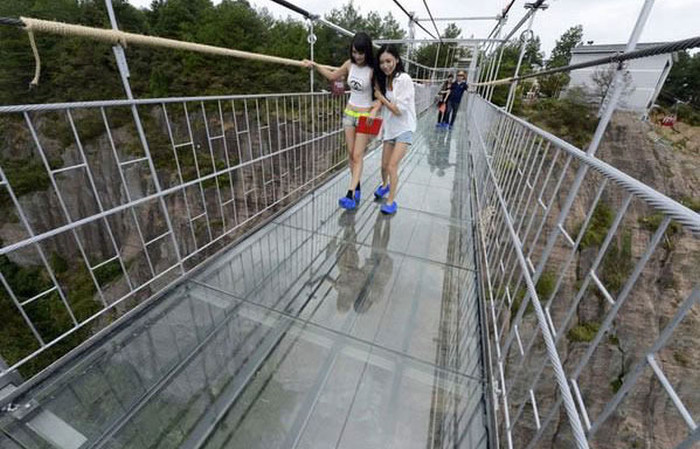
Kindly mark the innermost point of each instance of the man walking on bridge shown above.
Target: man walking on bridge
(456, 91)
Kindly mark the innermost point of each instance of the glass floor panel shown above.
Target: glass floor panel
(322, 329)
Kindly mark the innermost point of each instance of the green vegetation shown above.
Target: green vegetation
(583, 332)
(568, 118)
(48, 312)
(545, 285)
(616, 383)
(518, 298)
(691, 203)
(683, 84)
(652, 222)
(72, 70)
(108, 272)
(617, 263)
(598, 226)
(26, 175)
(426, 54)
(681, 358)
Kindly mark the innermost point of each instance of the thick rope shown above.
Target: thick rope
(37, 60)
(116, 37)
(619, 58)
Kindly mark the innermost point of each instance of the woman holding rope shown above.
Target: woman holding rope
(359, 71)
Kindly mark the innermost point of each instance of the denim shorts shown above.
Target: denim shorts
(405, 137)
(351, 121)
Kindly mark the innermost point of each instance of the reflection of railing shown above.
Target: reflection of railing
(129, 196)
(571, 278)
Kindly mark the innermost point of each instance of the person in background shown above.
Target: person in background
(396, 94)
(456, 92)
(359, 72)
(443, 96)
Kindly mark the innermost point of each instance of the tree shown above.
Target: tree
(602, 80)
(533, 52)
(561, 54)
(425, 54)
(683, 81)
(551, 85)
(509, 60)
(75, 69)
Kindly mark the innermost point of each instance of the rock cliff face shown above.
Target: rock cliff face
(205, 216)
(646, 416)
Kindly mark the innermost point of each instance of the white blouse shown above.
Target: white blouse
(402, 95)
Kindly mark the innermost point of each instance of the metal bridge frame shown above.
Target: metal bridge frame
(510, 159)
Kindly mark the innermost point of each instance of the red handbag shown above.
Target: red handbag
(337, 88)
(365, 128)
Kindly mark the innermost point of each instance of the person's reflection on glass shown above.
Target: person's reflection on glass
(350, 276)
(378, 266)
(439, 154)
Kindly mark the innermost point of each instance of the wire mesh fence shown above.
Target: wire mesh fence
(590, 306)
(105, 204)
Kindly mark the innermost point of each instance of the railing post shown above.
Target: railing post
(491, 76)
(437, 56)
(124, 73)
(411, 36)
(312, 40)
(524, 37)
(471, 74)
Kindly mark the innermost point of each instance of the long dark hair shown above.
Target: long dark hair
(363, 44)
(381, 77)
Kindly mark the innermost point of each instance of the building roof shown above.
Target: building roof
(611, 48)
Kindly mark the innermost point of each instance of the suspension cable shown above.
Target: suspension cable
(670, 47)
(432, 19)
(412, 19)
(9, 21)
(318, 18)
(296, 9)
(532, 8)
(503, 14)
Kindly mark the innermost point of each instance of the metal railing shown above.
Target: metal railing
(577, 355)
(110, 202)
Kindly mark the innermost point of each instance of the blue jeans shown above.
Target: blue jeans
(450, 113)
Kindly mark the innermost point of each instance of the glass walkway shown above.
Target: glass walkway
(322, 329)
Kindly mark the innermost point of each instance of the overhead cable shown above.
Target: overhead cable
(669, 47)
(410, 16)
(296, 9)
(9, 21)
(432, 19)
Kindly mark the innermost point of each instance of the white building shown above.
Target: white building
(645, 78)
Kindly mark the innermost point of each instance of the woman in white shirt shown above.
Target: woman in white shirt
(396, 93)
(359, 72)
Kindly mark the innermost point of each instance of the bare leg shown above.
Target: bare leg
(386, 158)
(350, 141)
(357, 159)
(396, 155)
